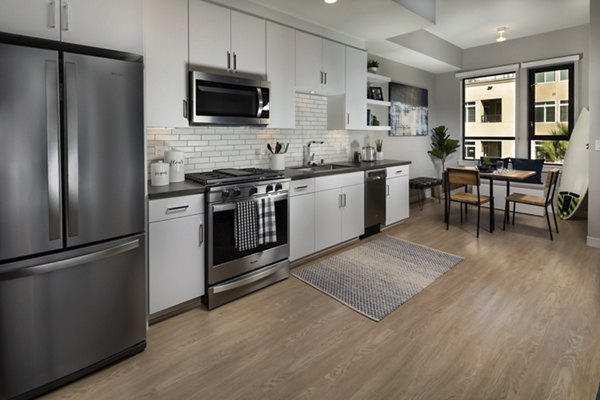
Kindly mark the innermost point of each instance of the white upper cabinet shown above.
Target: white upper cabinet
(224, 39)
(281, 67)
(356, 83)
(320, 65)
(108, 24)
(165, 63)
(38, 18)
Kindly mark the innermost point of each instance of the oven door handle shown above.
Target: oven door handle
(231, 205)
(246, 281)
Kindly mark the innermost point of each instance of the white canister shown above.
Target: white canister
(278, 162)
(159, 174)
(175, 160)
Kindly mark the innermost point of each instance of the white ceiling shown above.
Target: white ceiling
(461, 23)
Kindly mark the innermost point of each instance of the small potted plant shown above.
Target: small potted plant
(441, 144)
(379, 149)
(372, 66)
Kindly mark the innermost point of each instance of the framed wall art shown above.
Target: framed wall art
(409, 110)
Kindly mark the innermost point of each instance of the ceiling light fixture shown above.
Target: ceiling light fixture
(330, 1)
(500, 34)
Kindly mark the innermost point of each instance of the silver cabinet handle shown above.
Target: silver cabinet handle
(387, 190)
(52, 150)
(177, 209)
(325, 78)
(185, 109)
(347, 118)
(51, 18)
(201, 235)
(345, 200)
(301, 188)
(340, 201)
(399, 171)
(71, 262)
(234, 61)
(260, 100)
(64, 17)
(228, 61)
(322, 80)
(72, 153)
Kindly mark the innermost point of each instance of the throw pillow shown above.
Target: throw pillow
(530, 165)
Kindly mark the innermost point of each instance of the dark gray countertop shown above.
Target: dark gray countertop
(187, 187)
(174, 189)
(362, 166)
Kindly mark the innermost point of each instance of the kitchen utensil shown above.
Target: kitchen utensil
(270, 148)
(368, 153)
(175, 160)
(277, 147)
(286, 147)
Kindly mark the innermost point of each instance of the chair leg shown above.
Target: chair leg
(514, 211)
(478, 217)
(506, 215)
(548, 220)
(447, 214)
(461, 213)
(554, 215)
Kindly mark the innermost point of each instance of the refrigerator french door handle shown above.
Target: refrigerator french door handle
(72, 150)
(51, 69)
(71, 262)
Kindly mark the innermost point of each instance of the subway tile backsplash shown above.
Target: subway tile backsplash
(207, 148)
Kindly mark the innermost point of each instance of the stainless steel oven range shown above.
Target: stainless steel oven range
(232, 270)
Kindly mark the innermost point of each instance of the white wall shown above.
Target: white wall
(410, 148)
(594, 102)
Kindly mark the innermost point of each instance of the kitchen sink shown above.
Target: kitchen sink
(322, 167)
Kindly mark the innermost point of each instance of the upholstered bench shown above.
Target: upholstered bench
(422, 183)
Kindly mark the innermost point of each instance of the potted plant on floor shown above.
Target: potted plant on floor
(442, 145)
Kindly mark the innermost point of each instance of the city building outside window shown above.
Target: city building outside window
(548, 132)
(490, 116)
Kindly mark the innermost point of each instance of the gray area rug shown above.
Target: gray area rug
(377, 277)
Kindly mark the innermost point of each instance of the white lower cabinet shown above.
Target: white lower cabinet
(397, 200)
(176, 251)
(302, 218)
(339, 209)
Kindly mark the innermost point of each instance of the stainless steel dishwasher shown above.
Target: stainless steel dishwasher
(375, 194)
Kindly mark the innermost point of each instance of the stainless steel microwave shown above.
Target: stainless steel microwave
(219, 99)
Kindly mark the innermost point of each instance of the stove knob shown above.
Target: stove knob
(253, 190)
(224, 194)
(269, 188)
(278, 187)
(236, 191)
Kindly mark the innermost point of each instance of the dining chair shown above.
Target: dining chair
(538, 201)
(468, 178)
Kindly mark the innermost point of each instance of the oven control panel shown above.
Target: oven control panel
(247, 190)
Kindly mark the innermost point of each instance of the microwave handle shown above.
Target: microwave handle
(260, 102)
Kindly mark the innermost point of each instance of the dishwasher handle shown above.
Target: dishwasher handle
(375, 175)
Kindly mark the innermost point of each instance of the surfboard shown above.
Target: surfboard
(575, 172)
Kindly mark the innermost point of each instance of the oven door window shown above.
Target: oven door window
(223, 241)
(221, 100)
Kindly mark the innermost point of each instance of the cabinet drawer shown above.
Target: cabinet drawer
(175, 207)
(302, 186)
(400, 170)
(339, 180)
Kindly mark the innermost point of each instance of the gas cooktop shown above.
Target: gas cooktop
(233, 175)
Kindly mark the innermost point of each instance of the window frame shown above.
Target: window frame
(531, 104)
(464, 114)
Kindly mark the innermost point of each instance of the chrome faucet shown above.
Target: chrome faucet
(307, 157)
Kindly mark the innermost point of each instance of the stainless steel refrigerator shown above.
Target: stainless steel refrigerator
(72, 256)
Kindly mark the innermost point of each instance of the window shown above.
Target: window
(470, 111)
(544, 111)
(489, 116)
(549, 127)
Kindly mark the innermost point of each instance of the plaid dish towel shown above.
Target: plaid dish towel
(267, 226)
(244, 225)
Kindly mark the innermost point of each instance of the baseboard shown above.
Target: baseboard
(593, 241)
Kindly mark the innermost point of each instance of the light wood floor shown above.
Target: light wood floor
(519, 318)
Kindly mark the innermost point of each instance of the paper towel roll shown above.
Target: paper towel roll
(175, 160)
(159, 174)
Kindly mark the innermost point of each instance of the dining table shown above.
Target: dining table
(506, 175)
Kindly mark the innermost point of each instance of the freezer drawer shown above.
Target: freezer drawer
(63, 313)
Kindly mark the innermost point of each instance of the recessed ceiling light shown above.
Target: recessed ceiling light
(500, 34)
(330, 1)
